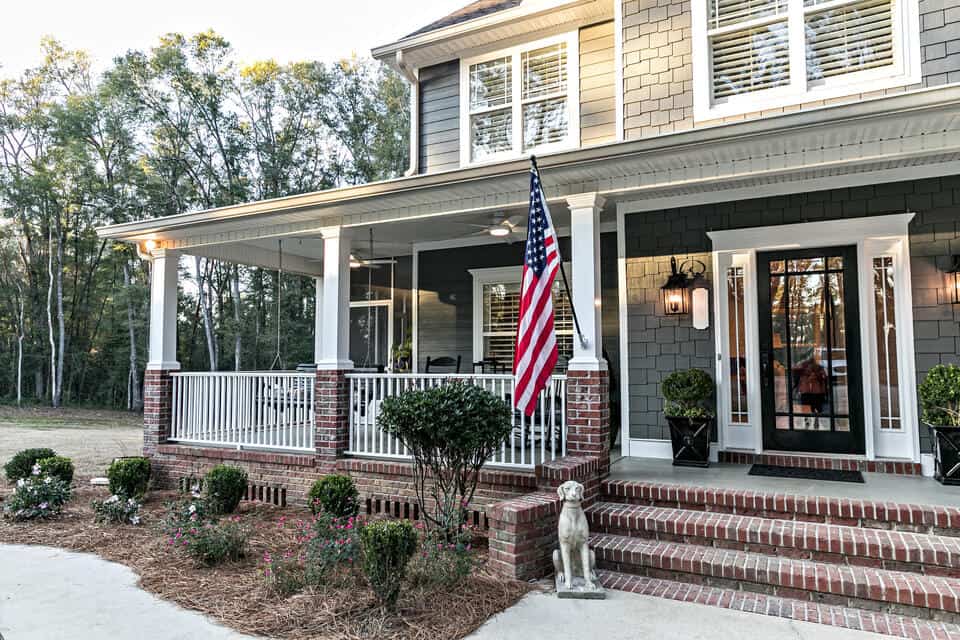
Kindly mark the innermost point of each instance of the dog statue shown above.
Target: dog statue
(574, 562)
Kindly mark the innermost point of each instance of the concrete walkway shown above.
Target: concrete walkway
(48, 593)
(628, 616)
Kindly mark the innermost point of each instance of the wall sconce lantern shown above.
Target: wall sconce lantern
(953, 280)
(686, 287)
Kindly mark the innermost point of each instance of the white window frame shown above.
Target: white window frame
(492, 275)
(905, 69)
(572, 141)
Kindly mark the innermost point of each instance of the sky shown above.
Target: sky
(283, 30)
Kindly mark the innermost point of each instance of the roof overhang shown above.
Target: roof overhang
(531, 19)
(907, 136)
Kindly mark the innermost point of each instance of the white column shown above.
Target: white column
(318, 322)
(163, 310)
(585, 280)
(335, 343)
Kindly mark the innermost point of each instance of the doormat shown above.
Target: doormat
(803, 473)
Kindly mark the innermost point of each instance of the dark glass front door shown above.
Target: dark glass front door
(810, 350)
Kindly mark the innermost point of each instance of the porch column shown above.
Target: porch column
(588, 381)
(318, 322)
(333, 342)
(157, 384)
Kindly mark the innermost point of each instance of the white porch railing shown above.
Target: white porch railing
(533, 440)
(245, 410)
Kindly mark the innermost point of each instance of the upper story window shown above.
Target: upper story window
(520, 100)
(764, 54)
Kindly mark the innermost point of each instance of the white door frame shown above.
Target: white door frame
(388, 303)
(874, 236)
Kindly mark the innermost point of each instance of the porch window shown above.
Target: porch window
(886, 348)
(763, 54)
(518, 100)
(500, 308)
(738, 346)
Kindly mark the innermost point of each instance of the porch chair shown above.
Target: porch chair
(490, 365)
(443, 362)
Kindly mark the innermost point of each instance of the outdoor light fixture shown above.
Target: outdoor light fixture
(676, 293)
(953, 279)
(499, 231)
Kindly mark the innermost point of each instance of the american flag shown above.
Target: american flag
(536, 351)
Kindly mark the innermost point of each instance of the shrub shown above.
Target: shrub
(451, 431)
(211, 544)
(940, 396)
(330, 543)
(58, 467)
(687, 393)
(129, 477)
(284, 575)
(21, 464)
(116, 510)
(336, 495)
(224, 486)
(185, 514)
(387, 547)
(37, 497)
(442, 564)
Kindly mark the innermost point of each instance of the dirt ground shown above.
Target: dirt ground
(91, 437)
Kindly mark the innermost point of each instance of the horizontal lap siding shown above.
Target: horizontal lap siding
(440, 117)
(658, 344)
(598, 110)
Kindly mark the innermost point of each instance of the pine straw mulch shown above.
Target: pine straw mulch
(234, 594)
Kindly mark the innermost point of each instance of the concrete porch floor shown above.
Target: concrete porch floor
(877, 486)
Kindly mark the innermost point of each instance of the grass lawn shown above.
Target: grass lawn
(91, 437)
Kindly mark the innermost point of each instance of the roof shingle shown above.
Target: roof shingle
(473, 10)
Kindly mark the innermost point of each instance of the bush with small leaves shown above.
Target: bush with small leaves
(211, 544)
(37, 497)
(58, 467)
(185, 514)
(224, 486)
(129, 477)
(442, 563)
(387, 547)
(116, 510)
(21, 464)
(940, 396)
(336, 495)
(687, 392)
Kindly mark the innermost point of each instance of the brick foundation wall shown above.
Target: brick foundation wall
(588, 416)
(332, 436)
(157, 397)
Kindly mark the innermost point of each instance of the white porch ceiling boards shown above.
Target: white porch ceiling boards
(896, 137)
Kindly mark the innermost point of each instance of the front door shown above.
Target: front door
(810, 350)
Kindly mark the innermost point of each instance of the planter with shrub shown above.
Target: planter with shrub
(224, 487)
(129, 477)
(687, 394)
(335, 495)
(21, 464)
(940, 404)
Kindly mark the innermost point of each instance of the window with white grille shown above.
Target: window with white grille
(888, 371)
(763, 54)
(519, 100)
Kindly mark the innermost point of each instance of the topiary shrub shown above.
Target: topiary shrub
(58, 467)
(129, 477)
(336, 495)
(21, 464)
(387, 547)
(224, 486)
(451, 431)
(940, 396)
(687, 393)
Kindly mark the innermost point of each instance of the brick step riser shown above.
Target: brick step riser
(783, 551)
(781, 591)
(891, 524)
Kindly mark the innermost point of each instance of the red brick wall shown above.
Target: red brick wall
(588, 416)
(157, 400)
(332, 436)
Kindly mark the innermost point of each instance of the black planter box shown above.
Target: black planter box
(946, 451)
(690, 438)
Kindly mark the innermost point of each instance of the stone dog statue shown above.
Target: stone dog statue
(574, 561)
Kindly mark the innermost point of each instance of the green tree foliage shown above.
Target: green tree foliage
(176, 128)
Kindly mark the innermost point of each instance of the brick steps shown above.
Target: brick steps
(940, 520)
(803, 610)
(861, 587)
(880, 548)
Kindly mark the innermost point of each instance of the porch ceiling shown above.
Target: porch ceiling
(896, 137)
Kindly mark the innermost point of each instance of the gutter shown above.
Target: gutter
(934, 98)
(413, 77)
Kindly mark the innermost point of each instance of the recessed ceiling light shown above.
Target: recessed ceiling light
(499, 231)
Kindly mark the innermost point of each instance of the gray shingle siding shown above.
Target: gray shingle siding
(439, 145)
(658, 344)
(940, 41)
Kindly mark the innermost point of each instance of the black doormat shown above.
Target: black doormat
(803, 473)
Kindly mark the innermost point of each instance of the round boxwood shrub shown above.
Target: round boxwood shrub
(940, 396)
(58, 467)
(687, 392)
(336, 495)
(129, 477)
(387, 547)
(224, 486)
(21, 464)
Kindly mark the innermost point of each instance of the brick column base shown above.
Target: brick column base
(157, 408)
(588, 416)
(332, 402)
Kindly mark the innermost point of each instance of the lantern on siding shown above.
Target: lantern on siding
(953, 280)
(686, 288)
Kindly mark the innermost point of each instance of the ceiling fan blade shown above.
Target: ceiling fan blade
(514, 221)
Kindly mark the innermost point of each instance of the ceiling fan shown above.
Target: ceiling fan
(500, 227)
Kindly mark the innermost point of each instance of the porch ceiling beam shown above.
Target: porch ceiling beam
(247, 254)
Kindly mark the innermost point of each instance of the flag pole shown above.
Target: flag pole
(566, 283)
